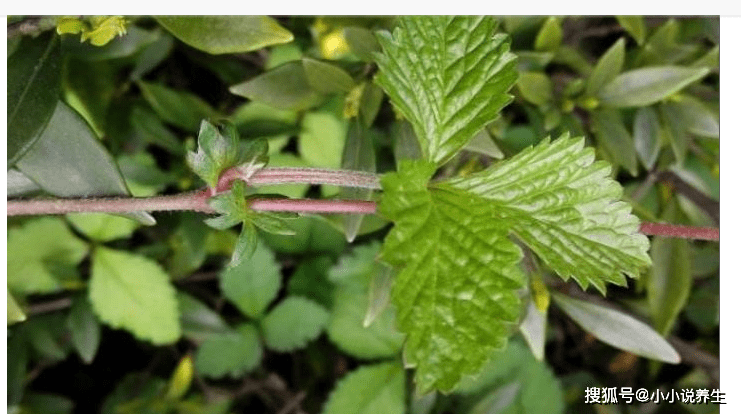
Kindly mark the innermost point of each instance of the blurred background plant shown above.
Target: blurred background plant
(117, 315)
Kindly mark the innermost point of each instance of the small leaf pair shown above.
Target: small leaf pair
(219, 150)
(234, 207)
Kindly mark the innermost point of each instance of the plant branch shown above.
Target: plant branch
(683, 232)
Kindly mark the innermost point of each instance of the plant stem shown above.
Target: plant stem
(684, 232)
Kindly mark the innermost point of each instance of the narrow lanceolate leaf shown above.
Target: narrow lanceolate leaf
(607, 68)
(456, 291)
(226, 34)
(645, 86)
(669, 282)
(618, 329)
(448, 76)
(566, 208)
(134, 293)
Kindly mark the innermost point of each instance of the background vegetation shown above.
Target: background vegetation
(107, 105)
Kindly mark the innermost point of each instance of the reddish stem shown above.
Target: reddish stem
(684, 232)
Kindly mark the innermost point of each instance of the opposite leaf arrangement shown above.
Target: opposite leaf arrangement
(457, 290)
(460, 264)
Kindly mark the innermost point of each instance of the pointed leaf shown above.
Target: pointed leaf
(635, 26)
(565, 207)
(618, 329)
(669, 282)
(15, 313)
(226, 34)
(607, 68)
(456, 292)
(362, 42)
(614, 138)
(647, 133)
(533, 329)
(535, 87)
(325, 77)
(133, 292)
(68, 161)
(645, 86)
(293, 323)
(369, 389)
(284, 87)
(198, 320)
(550, 35)
(231, 353)
(42, 256)
(34, 74)
(103, 227)
(252, 283)
(448, 76)
(358, 155)
(84, 328)
(179, 108)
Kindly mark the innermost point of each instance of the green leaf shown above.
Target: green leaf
(550, 35)
(293, 323)
(613, 137)
(617, 329)
(456, 292)
(181, 379)
(346, 325)
(179, 108)
(15, 313)
(232, 353)
(663, 47)
(646, 86)
(675, 126)
(310, 280)
(564, 206)
(284, 87)
(252, 284)
(68, 161)
(18, 184)
(697, 117)
(47, 404)
(369, 389)
(17, 364)
(188, 245)
(198, 320)
(42, 256)
(634, 25)
(133, 292)
(533, 330)
(322, 139)
(103, 227)
(358, 155)
(535, 87)
(608, 67)
(135, 40)
(448, 76)
(84, 328)
(325, 77)
(647, 133)
(669, 283)
(34, 74)
(216, 152)
(150, 128)
(89, 88)
(313, 234)
(362, 42)
(226, 34)
(152, 55)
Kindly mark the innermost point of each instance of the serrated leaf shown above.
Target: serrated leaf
(84, 329)
(647, 133)
(369, 389)
(448, 76)
(42, 256)
(618, 329)
(252, 283)
(231, 353)
(33, 88)
(285, 87)
(68, 161)
(646, 86)
(226, 34)
(607, 68)
(566, 208)
(455, 293)
(103, 227)
(293, 323)
(635, 26)
(133, 292)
